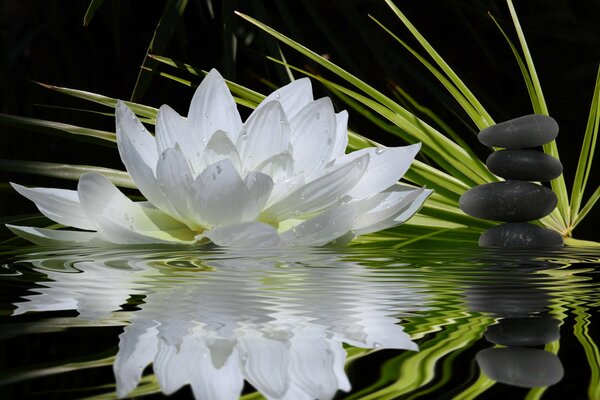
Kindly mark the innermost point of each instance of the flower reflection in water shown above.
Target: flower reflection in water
(278, 320)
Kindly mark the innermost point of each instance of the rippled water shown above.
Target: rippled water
(360, 322)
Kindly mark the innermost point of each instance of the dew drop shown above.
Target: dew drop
(318, 116)
(277, 96)
(214, 176)
(376, 345)
(205, 115)
(280, 122)
(296, 213)
(219, 168)
(244, 135)
(379, 150)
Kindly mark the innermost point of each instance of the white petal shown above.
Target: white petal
(265, 364)
(386, 167)
(122, 221)
(313, 136)
(278, 167)
(222, 196)
(128, 125)
(293, 96)
(220, 147)
(59, 205)
(173, 365)
(259, 187)
(245, 234)
(172, 129)
(51, 237)
(222, 382)
(213, 108)
(138, 345)
(265, 134)
(283, 188)
(341, 135)
(381, 211)
(322, 229)
(176, 182)
(322, 192)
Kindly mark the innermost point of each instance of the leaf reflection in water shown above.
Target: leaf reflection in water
(278, 320)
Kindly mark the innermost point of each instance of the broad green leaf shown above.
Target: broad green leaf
(65, 171)
(72, 131)
(162, 35)
(91, 10)
(586, 155)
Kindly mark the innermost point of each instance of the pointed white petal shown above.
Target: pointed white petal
(51, 237)
(265, 364)
(245, 234)
(59, 205)
(172, 129)
(322, 192)
(222, 197)
(341, 134)
(259, 186)
(339, 363)
(138, 345)
(388, 209)
(313, 136)
(284, 187)
(218, 382)
(386, 167)
(128, 125)
(213, 108)
(173, 365)
(220, 147)
(122, 221)
(322, 229)
(278, 167)
(265, 134)
(293, 96)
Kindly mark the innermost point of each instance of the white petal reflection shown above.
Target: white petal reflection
(277, 319)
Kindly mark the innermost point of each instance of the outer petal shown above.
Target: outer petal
(313, 136)
(120, 220)
(341, 134)
(259, 187)
(221, 382)
(293, 96)
(388, 209)
(51, 237)
(322, 192)
(386, 167)
(265, 134)
(172, 129)
(130, 126)
(245, 234)
(219, 148)
(59, 205)
(213, 108)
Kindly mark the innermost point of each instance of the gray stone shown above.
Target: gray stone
(520, 235)
(519, 366)
(535, 331)
(525, 165)
(508, 201)
(527, 131)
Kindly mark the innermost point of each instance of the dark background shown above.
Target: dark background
(46, 41)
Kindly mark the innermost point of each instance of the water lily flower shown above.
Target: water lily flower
(280, 178)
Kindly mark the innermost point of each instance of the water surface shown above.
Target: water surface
(360, 322)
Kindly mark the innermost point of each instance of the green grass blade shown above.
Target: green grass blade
(487, 120)
(162, 36)
(65, 171)
(558, 185)
(139, 109)
(586, 155)
(91, 10)
(587, 208)
(58, 128)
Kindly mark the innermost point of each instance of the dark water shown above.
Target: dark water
(357, 323)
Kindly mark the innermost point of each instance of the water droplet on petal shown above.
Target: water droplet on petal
(277, 96)
(214, 176)
(244, 135)
(318, 116)
(205, 115)
(376, 345)
(219, 168)
(379, 150)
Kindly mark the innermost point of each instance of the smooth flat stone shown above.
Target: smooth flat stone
(519, 366)
(527, 131)
(535, 331)
(520, 235)
(508, 201)
(525, 165)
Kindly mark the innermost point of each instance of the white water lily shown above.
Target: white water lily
(280, 178)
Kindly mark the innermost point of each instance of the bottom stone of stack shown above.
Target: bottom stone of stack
(520, 235)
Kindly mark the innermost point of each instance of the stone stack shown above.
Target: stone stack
(516, 200)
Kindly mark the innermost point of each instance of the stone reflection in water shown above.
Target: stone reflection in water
(277, 321)
(513, 293)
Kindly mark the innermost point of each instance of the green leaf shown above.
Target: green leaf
(586, 155)
(587, 208)
(91, 10)
(162, 35)
(59, 128)
(65, 171)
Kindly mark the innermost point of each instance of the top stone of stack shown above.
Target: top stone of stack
(527, 131)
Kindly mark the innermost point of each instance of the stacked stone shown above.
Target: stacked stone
(516, 200)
